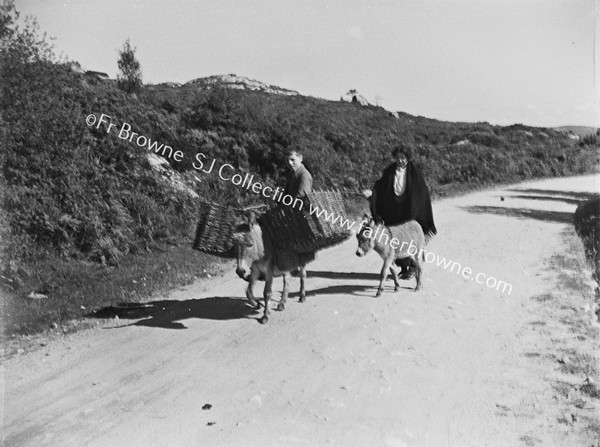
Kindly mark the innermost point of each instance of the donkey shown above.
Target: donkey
(258, 258)
(396, 244)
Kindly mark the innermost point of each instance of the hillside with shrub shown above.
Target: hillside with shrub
(77, 195)
(346, 145)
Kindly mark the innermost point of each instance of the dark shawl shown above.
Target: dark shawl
(415, 203)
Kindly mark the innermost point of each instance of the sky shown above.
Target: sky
(500, 61)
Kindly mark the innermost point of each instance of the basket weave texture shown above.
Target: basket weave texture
(291, 229)
(215, 228)
(299, 231)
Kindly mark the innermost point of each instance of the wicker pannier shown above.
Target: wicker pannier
(215, 228)
(300, 232)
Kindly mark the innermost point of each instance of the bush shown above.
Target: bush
(591, 140)
(587, 224)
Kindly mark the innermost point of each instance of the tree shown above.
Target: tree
(130, 78)
(25, 58)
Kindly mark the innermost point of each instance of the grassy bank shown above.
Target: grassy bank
(587, 225)
(54, 291)
(568, 310)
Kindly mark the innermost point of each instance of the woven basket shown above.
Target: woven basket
(216, 225)
(301, 232)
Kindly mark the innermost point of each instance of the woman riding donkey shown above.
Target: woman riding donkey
(400, 195)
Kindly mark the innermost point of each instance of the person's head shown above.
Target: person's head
(402, 155)
(293, 159)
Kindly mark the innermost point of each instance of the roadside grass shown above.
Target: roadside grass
(530, 440)
(543, 297)
(594, 427)
(581, 364)
(57, 290)
(573, 308)
(587, 226)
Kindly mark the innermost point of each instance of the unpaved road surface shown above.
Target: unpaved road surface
(455, 364)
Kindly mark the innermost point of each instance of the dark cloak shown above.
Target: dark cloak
(415, 203)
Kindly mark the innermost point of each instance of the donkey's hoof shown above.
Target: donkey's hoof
(302, 298)
(396, 289)
(280, 307)
(263, 319)
(378, 294)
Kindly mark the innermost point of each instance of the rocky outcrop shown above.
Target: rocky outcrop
(171, 178)
(356, 98)
(238, 82)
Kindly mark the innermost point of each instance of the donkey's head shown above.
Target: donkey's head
(247, 245)
(364, 236)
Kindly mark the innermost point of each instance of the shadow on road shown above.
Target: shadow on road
(524, 213)
(335, 290)
(167, 313)
(344, 275)
(573, 195)
(547, 198)
(356, 289)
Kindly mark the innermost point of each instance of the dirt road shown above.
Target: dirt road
(456, 364)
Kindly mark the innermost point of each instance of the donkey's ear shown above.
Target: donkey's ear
(251, 218)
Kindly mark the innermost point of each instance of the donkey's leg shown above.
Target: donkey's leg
(284, 294)
(387, 262)
(418, 271)
(267, 295)
(394, 272)
(302, 270)
(250, 290)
